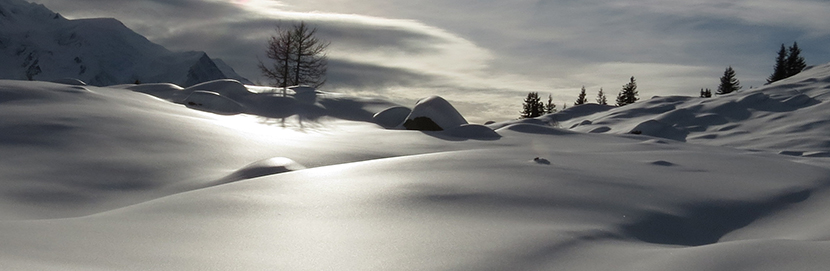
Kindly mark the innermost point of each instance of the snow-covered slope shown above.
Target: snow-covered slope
(95, 178)
(38, 44)
(791, 116)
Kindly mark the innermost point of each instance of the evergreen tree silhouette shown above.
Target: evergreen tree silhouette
(581, 99)
(532, 106)
(780, 69)
(728, 82)
(550, 107)
(795, 62)
(601, 99)
(628, 94)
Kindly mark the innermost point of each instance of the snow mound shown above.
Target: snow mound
(575, 112)
(391, 117)
(229, 88)
(69, 81)
(439, 111)
(472, 131)
(659, 129)
(167, 91)
(303, 89)
(213, 102)
(799, 105)
(530, 128)
(261, 168)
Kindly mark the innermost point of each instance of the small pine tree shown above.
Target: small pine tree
(581, 98)
(550, 108)
(789, 62)
(564, 106)
(780, 69)
(601, 99)
(795, 62)
(628, 94)
(532, 106)
(705, 93)
(728, 82)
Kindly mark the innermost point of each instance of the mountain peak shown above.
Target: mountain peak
(38, 44)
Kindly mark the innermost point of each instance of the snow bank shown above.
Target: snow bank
(472, 131)
(69, 81)
(213, 102)
(438, 111)
(261, 168)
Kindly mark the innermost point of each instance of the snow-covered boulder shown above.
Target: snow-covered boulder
(437, 110)
(391, 117)
(226, 87)
(212, 102)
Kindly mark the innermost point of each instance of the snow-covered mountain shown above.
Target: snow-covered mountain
(38, 44)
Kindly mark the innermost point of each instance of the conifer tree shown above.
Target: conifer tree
(728, 82)
(628, 94)
(795, 62)
(532, 106)
(780, 69)
(581, 99)
(550, 107)
(789, 62)
(707, 93)
(601, 99)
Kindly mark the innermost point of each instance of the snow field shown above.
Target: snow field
(113, 178)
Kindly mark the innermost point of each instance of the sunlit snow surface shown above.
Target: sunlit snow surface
(116, 179)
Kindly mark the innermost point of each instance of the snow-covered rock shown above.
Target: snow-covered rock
(213, 102)
(226, 87)
(438, 110)
(391, 117)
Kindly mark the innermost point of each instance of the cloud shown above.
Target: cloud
(810, 16)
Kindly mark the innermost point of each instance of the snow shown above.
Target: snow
(213, 102)
(129, 178)
(39, 44)
(391, 117)
(763, 118)
(439, 111)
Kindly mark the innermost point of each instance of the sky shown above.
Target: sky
(484, 56)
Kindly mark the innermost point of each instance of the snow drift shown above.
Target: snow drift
(764, 118)
(92, 173)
